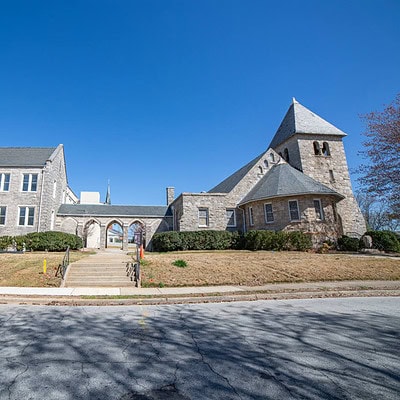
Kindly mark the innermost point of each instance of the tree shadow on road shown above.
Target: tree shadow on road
(262, 350)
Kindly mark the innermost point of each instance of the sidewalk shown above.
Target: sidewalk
(202, 290)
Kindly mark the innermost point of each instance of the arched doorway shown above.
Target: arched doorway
(136, 232)
(91, 235)
(114, 235)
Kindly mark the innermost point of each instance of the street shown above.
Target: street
(289, 349)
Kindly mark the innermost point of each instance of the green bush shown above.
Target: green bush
(5, 241)
(299, 241)
(270, 240)
(51, 241)
(346, 243)
(385, 241)
(195, 240)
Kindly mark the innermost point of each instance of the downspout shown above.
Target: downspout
(41, 198)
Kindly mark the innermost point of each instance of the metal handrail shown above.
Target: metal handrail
(62, 268)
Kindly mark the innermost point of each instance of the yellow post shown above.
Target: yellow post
(44, 266)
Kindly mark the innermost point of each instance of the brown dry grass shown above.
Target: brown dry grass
(27, 269)
(261, 267)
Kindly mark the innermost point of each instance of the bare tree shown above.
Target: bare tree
(380, 176)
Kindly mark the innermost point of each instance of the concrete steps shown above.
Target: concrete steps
(102, 269)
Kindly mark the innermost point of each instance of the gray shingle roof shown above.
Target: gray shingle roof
(114, 211)
(25, 156)
(301, 120)
(229, 183)
(282, 180)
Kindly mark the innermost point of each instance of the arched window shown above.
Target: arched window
(286, 153)
(317, 149)
(266, 163)
(261, 171)
(272, 157)
(325, 149)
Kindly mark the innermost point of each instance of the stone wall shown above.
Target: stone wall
(318, 167)
(46, 199)
(322, 230)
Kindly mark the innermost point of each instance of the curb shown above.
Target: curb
(194, 299)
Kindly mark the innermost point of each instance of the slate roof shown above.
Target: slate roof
(25, 156)
(282, 180)
(105, 210)
(301, 120)
(229, 183)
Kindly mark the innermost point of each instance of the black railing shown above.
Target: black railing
(62, 268)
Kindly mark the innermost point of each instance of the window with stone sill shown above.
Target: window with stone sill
(26, 216)
(319, 211)
(203, 217)
(29, 183)
(230, 217)
(251, 216)
(294, 212)
(4, 182)
(269, 213)
(3, 215)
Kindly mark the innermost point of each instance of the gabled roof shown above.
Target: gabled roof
(300, 120)
(283, 180)
(25, 156)
(113, 211)
(229, 183)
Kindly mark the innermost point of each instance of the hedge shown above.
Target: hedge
(224, 240)
(346, 243)
(195, 240)
(385, 241)
(40, 241)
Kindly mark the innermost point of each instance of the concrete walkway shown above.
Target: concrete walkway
(203, 290)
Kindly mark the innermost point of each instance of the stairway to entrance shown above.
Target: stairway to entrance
(103, 269)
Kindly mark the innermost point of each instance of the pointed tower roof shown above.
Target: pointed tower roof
(283, 180)
(300, 120)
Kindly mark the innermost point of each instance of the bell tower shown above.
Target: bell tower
(315, 147)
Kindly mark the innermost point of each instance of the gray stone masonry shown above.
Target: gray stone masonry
(322, 230)
(301, 153)
(46, 200)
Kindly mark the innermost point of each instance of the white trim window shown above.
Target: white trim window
(319, 211)
(203, 217)
(269, 213)
(26, 216)
(251, 216)
(29, 183)
(294, 213)
(3, 210)
(230, 214)
(4, 182)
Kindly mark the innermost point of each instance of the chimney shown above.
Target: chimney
(170, 195)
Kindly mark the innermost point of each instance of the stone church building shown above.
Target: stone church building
(300, 183)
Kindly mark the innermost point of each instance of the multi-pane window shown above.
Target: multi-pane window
(251, 216)
(26, 216)
(29, 183)
(294, 210)
(230, 217)
(269, 214)
(4, 182)
(203, 216)
(319, 211)
(3, 215)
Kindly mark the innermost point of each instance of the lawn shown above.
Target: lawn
(27, 269)
(261, 267)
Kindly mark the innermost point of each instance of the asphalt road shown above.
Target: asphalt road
(293, 349)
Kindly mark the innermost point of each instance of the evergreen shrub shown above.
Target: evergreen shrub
(346, 243)
(385, 241)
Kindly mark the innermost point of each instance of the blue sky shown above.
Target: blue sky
(151, 94)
